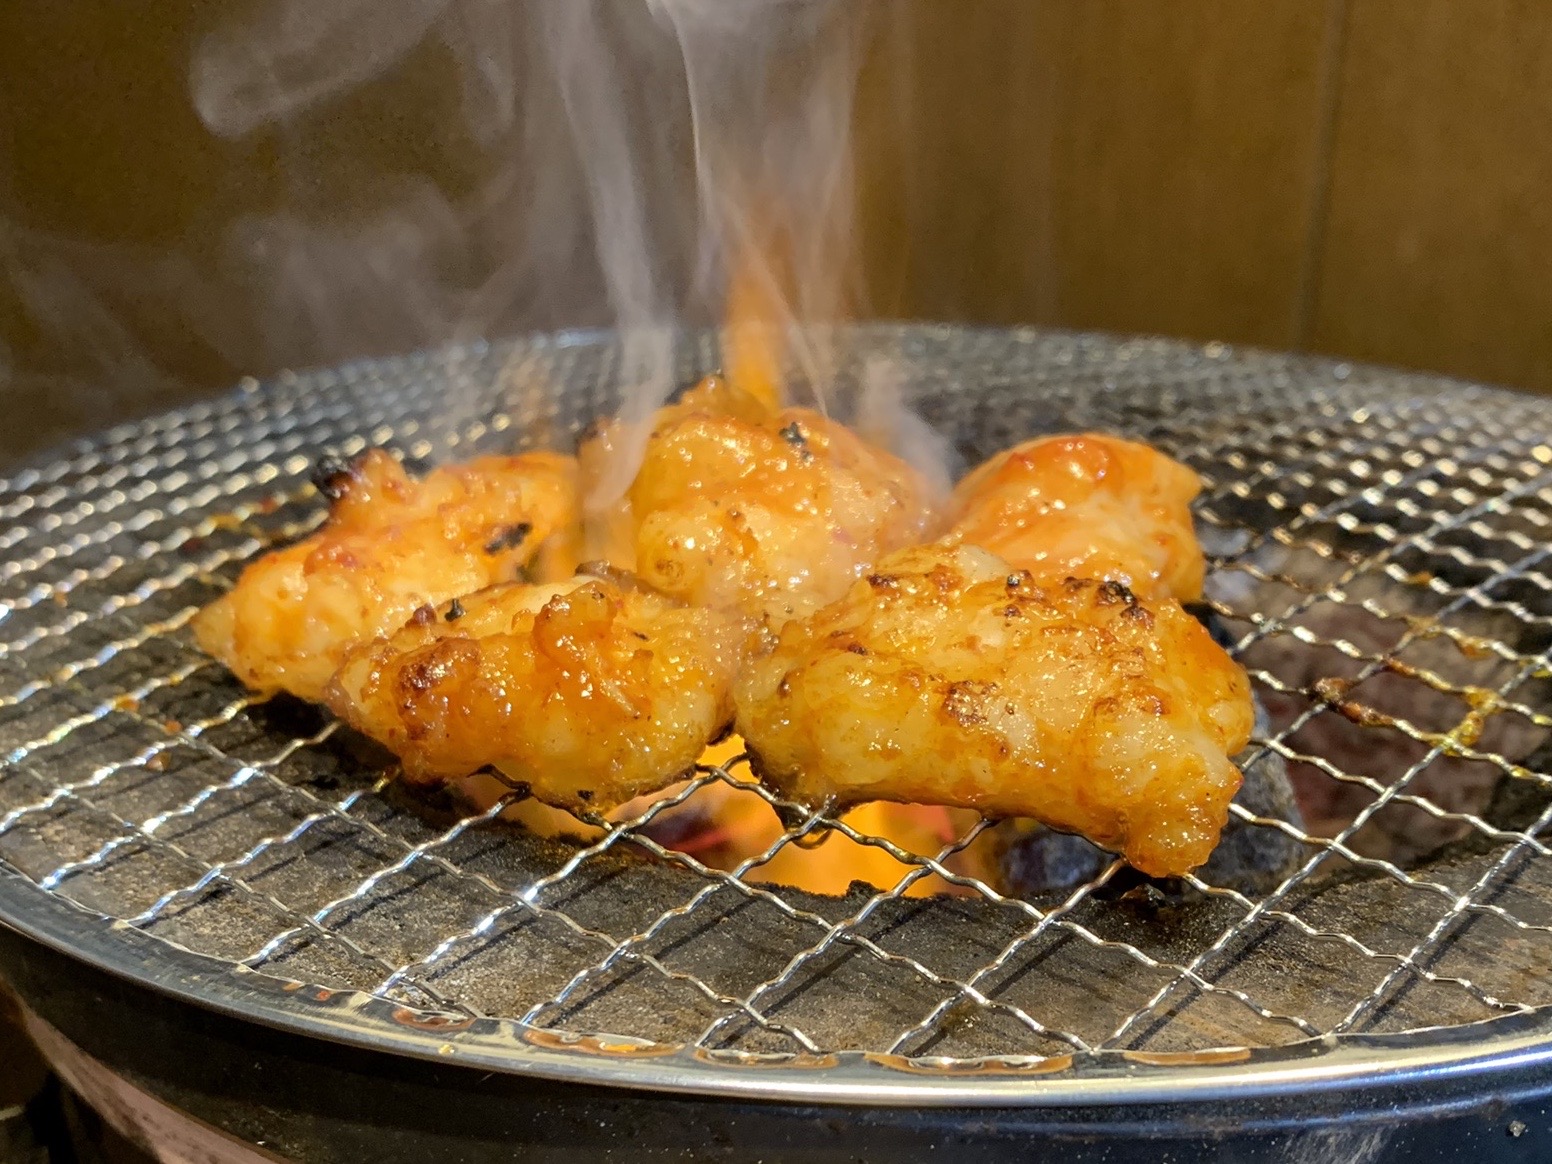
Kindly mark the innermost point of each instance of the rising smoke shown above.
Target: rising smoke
(618, 160)
(635, 147)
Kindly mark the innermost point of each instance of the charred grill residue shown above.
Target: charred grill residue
(455, 611)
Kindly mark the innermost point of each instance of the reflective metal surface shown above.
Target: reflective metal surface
(1378, 545)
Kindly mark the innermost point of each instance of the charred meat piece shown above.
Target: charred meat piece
(947, 677)
(741, 506)
(391, 545)
(587, 692)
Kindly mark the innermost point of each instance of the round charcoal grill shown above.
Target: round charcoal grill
(231, 904)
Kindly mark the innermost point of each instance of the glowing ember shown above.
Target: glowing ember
(724, 825)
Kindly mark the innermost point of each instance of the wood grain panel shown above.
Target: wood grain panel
(1438, 249)
(1110, 164)
(953, 140)
(1184, 163)
(1207, 168)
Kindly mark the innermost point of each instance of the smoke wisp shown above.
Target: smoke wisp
(451, 169)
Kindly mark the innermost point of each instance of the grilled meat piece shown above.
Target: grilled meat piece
(740, 506)
(1251, 858)
(590, 692)
(1086, 506)
(391, 545)
(948, 677)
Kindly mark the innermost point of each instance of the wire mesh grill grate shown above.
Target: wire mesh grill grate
(1379, 546)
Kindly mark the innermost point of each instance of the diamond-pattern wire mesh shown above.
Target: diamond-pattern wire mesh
(1379, 547)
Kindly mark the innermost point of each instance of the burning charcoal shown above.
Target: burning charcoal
(1518, 801)
(1039, 860)
(1385, 691)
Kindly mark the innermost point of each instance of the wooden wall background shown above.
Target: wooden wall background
(1371, 178)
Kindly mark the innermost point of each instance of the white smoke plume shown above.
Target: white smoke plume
(615, 159)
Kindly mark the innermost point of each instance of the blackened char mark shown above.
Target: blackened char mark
(794, 435)
(509, 537)
(1112, 592)
(331, 475)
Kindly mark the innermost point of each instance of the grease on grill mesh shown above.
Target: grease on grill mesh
(1379, 563)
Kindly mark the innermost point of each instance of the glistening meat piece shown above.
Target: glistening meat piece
(742, 506)
(1251, 857)
(1086, 506)
(948, 677)
(391, 544)
(590, 691)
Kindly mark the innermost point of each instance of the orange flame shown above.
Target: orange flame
(724, 826)
(755, 317)
(755, 313)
